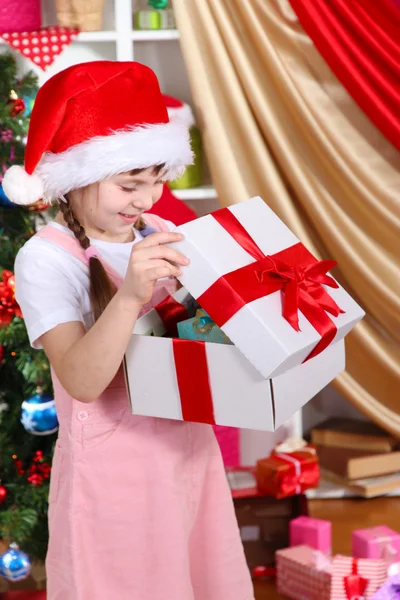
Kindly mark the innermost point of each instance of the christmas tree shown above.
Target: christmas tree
(25, 449)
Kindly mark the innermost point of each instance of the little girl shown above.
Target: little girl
(139, 507)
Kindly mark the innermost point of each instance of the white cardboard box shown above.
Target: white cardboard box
(258, 329)
(241, 396)
(262, 380)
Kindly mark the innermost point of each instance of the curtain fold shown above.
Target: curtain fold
(359, 39)
(277, 123)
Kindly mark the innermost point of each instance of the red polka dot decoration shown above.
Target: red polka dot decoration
(43, 46)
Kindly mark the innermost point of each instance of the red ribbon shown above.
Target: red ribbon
(171, 313)
(290, 481)
(294, 271)
(193, 381)
(354, 584)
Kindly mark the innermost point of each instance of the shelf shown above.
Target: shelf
(203, 192)
(96, 36)
(154, 36)
(328, 489)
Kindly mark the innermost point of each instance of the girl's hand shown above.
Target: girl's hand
(151, 260)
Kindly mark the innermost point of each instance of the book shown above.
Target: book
(367, 488)
(357, 464)
(353, 434)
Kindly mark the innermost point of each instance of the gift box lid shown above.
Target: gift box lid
(241, 260)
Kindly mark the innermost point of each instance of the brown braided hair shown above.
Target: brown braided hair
(102, 289)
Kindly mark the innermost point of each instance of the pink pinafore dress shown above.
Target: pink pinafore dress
(139, 507)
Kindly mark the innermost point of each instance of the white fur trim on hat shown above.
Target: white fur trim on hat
(182, 113)
(20, 187)
(104, 156)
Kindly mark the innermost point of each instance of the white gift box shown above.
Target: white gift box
(262, 380)
(241, 397)
(258, 329)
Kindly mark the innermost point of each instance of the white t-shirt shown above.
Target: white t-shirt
(52, 286)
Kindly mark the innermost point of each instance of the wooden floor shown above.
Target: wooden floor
(345, 515)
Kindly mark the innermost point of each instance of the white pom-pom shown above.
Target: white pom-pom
(22, 188)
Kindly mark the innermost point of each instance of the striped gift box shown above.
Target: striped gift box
(302, 573)
(307, 574)
(364, 576)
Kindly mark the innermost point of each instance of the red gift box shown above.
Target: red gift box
(286, 474)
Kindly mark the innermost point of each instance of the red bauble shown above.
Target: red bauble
(3, 494)
(17, 106)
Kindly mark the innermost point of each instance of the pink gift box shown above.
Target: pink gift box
(376, 542)
(315, 533)
(303, 573)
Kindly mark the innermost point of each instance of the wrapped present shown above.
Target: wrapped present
(303, 573)
(316, 533)
(307, 574)
(357, 578)
(170, 309)
(390, 590)
(155, 19)
(376, 542)
(286, 474)
(263, 521)
(222, 384)
(202, 327)
(244, 263)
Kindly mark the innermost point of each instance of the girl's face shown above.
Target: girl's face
(108, 210)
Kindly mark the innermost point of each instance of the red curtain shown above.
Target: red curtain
(360, 41)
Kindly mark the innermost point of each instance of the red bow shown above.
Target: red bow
(354, 584)
(293, 271)
(301, 286)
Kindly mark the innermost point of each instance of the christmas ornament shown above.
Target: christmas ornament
(29, 102)
(3, 494)
(38, 206)
(17, 105)
(39, 469)
(4, 201)
(6, 136)
(8, 305)
(38, 415)
(158, 4)
(15, 565)
(42, 46)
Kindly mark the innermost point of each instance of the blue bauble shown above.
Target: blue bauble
(38, 415)
(15, 565)
(4, 201)
(29, 102)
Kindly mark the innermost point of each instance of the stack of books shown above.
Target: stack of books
(358, 455)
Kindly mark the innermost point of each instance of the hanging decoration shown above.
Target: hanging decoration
(41, 47)
(38, 415)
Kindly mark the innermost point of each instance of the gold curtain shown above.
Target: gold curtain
(277, 123)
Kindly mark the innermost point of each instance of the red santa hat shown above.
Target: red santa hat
(179, 111)
(92, 121)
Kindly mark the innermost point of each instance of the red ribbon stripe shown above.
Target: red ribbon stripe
(293, 271)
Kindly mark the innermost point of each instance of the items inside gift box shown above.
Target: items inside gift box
(186, 321)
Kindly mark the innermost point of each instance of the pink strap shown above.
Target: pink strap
(71, 245)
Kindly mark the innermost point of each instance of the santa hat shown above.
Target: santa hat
(92, 121)
(180, 111)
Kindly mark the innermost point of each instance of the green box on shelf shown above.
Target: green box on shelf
(152, 20)
(192, 177)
